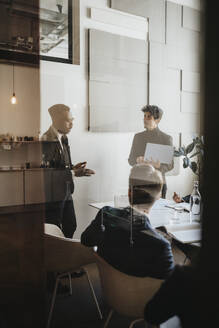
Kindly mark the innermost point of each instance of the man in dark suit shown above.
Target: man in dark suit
(125, 237)
(152, 134)
(56, 154)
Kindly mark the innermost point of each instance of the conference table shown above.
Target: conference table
(175, 217)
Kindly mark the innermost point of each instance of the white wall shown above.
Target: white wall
(22, 119)
(106, 153)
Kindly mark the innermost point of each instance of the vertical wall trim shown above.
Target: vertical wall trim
(24, 187)
(182, 13)
(88, 92)
(165, 22)
(148, 94)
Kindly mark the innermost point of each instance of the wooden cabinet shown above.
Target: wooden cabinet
(22, 274)
(11, 188)
(37, 186)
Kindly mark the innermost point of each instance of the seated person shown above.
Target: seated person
(186, 294)
(125, 237)
(178, 199)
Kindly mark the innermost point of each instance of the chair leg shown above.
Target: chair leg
(52, 303)
(93, 293)
(146, 326)
(108, 318)
(134, 322)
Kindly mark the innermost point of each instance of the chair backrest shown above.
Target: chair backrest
(52, 229)
(126, 294)
(64, 254)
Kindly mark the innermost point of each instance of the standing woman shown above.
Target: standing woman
(152, 134)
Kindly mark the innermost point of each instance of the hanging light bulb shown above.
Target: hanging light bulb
(13, 99)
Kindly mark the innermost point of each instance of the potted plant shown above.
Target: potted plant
(192, 155)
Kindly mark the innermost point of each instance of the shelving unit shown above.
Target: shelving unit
(9, 145)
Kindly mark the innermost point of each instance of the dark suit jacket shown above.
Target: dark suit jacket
(61, 211)
(139, 145)
(150, 254)
(53, 153)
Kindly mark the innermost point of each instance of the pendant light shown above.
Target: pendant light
(13, 98)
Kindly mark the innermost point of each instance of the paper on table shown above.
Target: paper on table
(157, 152)
(178, 206)
(186, 233)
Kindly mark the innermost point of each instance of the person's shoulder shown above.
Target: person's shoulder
(140, 134)
(49, 135)
(165, 136)
(119, 212)
(155, 238)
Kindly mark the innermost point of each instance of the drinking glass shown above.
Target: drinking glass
(175, 217)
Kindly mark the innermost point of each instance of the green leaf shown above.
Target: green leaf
(186, 162)
(177, 153)
(195, 154)
(190, 148)
(182, 150)
(193, 166)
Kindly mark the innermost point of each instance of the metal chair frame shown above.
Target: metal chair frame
(70, 275)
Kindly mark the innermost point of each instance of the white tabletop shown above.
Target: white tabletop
(161, 215)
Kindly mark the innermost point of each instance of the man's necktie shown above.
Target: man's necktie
(66, 151)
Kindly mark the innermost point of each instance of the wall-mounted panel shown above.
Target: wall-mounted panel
(114, 17)
(191, 81)
(183, 58)
(116, 119)
(157, 56)
(12, 190)
(114, 46)
(164, 90)
(191, 19)
(195, 4)
(164, 83)
(118, 95)
(154, 10)
(190, 102)
(183, 45)
(118, 73)
(173, 23)
(190, 40)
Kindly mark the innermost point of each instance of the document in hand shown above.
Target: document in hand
(157, 152)
(186, 233)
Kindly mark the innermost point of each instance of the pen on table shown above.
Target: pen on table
(175, 208)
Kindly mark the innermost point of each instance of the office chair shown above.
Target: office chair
(67, 257)
(127, 295)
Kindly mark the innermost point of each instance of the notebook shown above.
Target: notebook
(157, 152)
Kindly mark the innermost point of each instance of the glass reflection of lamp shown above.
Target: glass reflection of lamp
(13, 99)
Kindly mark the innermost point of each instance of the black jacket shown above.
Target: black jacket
(150, 254)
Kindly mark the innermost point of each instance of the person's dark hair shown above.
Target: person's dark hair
(145, 184)
(154, 110)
